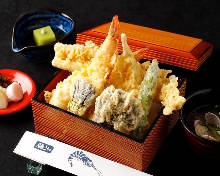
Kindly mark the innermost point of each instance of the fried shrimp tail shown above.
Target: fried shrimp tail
(109, 46)
(140, 53)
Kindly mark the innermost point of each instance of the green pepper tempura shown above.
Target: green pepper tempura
(146, 94)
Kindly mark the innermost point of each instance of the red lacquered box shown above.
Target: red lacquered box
(85, 134)
(169, 48)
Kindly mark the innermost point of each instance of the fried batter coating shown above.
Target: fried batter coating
(96, 71)
(127, 73)
(146, 95)
(73, 57)
(161, 80)
(82, 95)
(60, 96)
(170, 97)
(118, 108)
(145, 65)
(103, 62)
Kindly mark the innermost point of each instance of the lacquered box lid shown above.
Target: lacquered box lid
(170, 48)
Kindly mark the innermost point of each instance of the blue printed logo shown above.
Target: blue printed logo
(43, 147)
(80, 156)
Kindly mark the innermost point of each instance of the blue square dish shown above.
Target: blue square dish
(22, 37)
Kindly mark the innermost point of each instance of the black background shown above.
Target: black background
(189, 17)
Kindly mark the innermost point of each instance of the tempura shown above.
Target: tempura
(115, 89)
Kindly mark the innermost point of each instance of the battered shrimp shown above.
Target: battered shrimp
(104, 60)
(127, 73)
(139, 54)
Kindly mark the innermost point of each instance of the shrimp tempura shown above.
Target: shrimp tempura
(104, 60)
(127, 73)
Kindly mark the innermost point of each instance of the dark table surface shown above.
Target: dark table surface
(193, 18)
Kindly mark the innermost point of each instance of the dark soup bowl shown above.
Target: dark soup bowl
(22, 38)
(197, 105)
